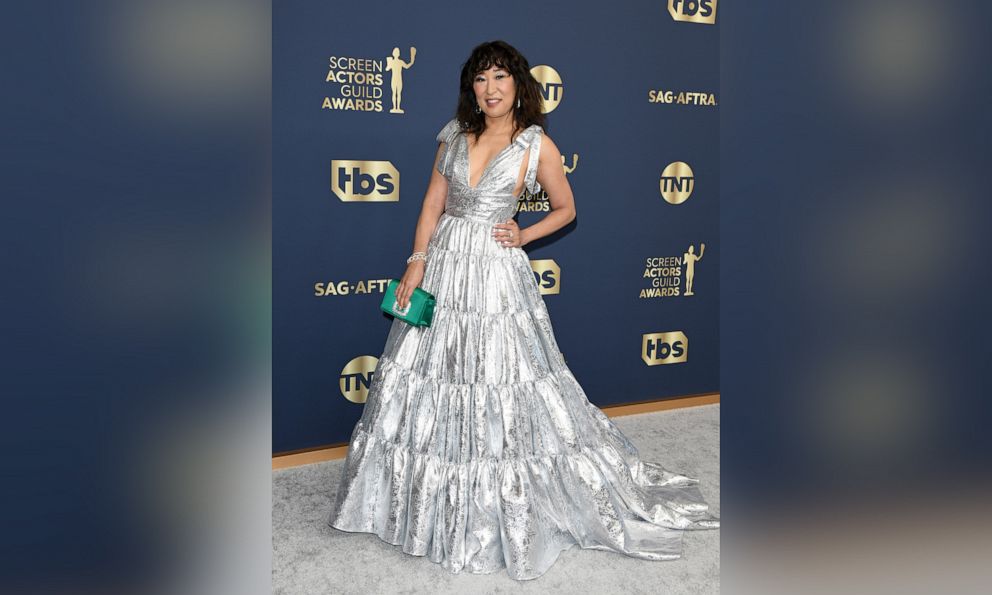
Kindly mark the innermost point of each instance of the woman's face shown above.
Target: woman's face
(495, 91)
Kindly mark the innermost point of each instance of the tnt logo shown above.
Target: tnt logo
(548, 276)
(356, 378)
(664, 348)
(693, 11)
(677, 182)
(365, 181)
(552, 88)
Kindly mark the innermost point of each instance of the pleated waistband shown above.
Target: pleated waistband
(479, 220)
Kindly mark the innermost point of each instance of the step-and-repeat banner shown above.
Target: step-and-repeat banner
(632, 100)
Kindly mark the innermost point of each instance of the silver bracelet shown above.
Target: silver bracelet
(417, 256)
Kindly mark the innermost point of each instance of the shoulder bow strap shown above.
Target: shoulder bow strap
(534, 142)
(446, 135)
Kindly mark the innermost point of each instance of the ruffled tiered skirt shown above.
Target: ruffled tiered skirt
(478, 448)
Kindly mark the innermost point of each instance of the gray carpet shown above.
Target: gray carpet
(311, 558)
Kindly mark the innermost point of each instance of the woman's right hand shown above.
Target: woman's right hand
(412, 278)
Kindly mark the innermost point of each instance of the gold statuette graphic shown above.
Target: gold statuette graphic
(664, 348)
(396, 66)
(575, 163)
(689, 260)
(356, 378)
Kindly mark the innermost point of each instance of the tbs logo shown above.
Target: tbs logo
(693, 11)
(365, 181)
(664, 348)
(547, 273)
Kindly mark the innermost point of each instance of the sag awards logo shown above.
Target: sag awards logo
(360, 83)
(693, 11)
(667, 273)
(551, 86)
(531, 202)
(677, 182)
(365, 181)
(664, 348)
(548, 276)
(356, 378)
(681, 97)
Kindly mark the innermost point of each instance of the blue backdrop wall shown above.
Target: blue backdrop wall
(636, 115)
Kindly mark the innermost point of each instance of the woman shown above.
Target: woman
(477, 447)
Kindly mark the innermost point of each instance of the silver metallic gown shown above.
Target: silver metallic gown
(477, 447)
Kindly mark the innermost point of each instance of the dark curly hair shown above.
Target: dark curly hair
(528, 90)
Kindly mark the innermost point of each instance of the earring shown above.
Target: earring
(518, 102)
(478, 109)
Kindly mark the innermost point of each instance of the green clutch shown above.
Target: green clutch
(420, 310)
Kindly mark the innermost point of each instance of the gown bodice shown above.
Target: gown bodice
(492, 199)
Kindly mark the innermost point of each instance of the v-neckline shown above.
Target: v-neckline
(468, 161)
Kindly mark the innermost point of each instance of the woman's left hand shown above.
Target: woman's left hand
(507, 234)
